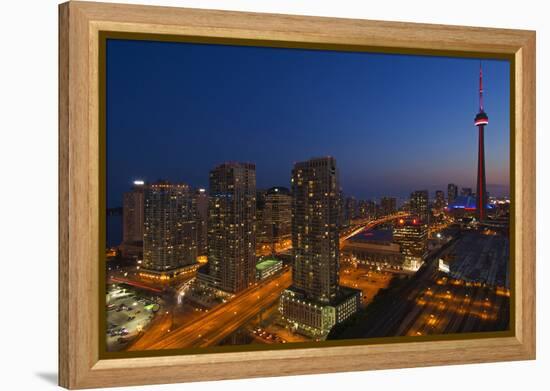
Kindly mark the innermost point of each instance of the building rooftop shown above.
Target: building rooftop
(382, 248)
(381, 236)
(278, 190)
(266, 263)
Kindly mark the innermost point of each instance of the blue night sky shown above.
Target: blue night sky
(394, 123)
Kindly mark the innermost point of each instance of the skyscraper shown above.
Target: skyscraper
(419, 204)
(170, 234)
(315, 240)
(278, 212)
(232, 226)
(480, 121)
(315, 301)
(412, 237)
(388, 205)
(201, 210)
(273, 216)
(133, 215)
(452, 192)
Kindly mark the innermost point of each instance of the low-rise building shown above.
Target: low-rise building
(315, 319)
(374, 248)
(268, 267)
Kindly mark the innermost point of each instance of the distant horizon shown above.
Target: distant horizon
(494, 189)
(394, 123)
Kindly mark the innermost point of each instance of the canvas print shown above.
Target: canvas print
(266, 197)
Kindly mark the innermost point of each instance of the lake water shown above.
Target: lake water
(114, 230)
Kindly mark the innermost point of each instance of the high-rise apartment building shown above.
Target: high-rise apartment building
(315, 301)
(315, 238)
(232, 226)
(170, 232)
(201, 211)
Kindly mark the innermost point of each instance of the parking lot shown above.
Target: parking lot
(367, 279)
(128, 313)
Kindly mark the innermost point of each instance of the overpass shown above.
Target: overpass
(223, 320)
(369, 224)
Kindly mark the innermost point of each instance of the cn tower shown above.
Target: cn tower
(480, 121)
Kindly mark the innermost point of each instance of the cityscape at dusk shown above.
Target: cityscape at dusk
(269, 196)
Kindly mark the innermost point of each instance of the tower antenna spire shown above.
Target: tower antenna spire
(480, 87)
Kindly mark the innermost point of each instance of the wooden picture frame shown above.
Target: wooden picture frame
(80, 167)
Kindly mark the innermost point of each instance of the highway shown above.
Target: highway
(369, 224)
(136, 284)
(210, 327)
(213, 326)
(169, 318)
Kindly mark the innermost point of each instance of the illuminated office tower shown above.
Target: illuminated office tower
(170, 234)
(412, 237)
(315, 302)
(232, 226)
(278, 213)
(419, 204)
